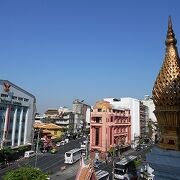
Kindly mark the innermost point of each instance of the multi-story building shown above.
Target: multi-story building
(134, 106)
(66, 119)
(17, 111)
(38, 118)
(82, 115)
(110, 127)
(151, 122)
(51, 114)
(143, 110)
(62, 116)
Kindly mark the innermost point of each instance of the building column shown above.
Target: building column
(113, 136)
(26, 126)
(20, 127)
(14, 127)
(5, 127)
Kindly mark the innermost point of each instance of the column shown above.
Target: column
(26, 126)
(14, 127)
(20, 127)
(113, 136)
(5, 127)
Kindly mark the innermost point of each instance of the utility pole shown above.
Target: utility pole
(37, 147)
(113, 162)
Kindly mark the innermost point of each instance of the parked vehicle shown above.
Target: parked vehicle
(53, 151)
(102, 175)
(29, 154)
(66, 140)
(58, 144)
(72, 156)
(97, 164)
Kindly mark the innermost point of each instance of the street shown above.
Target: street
(70, 172)
(52, 163)
(47, 162)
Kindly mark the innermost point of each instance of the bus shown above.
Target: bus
(72, 156)
(125, 168)
(102, 175)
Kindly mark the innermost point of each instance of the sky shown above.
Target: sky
(61, 50)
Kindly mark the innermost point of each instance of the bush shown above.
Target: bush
(26, 173)
(137, 163)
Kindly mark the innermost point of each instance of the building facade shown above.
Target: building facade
(143, 110)
(82, 116)
(134, 106)
(110, 127)
(151, 123)
(66, 119)
(62, 116)
(17, 111)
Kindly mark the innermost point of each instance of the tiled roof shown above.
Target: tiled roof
(52, 112)
(46, 126)
(85, 172)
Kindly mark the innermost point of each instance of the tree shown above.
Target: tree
(26, 173)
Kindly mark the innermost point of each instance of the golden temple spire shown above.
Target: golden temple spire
(170, 39)
(166, 94)
(166, 89)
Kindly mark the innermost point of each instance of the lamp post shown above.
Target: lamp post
(37, 146)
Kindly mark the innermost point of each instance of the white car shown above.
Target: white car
(60, 143)
(66, 140)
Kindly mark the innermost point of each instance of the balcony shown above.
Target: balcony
(96, 120)
(62, 122)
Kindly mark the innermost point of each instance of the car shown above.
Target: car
(62, 143)
(58, 144)
(97, 164)
(53, 151)
(66, 140)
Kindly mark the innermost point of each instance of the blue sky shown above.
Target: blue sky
(63, 50)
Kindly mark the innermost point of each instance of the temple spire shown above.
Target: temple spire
(170, 38)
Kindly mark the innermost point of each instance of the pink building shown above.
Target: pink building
(109, 128)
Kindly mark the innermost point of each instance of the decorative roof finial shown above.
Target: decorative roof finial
(170, 39)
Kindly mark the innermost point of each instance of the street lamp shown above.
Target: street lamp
(37, 146)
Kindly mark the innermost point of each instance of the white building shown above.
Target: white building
(151, 116)
(17, 111)
(133, 105)
(151, 107)
(38, 118)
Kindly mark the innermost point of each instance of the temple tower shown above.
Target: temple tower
(166, 95)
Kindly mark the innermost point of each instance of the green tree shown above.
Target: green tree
(26, 173)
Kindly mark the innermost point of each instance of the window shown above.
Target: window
(97, 137)
(97, 119)
(4, 95)
(14, 97)
(110, 136)
(68, 154)
(20, 98)
(171, 142)
(2, 108)
(111, 118)
(99, 110)
(26, 100)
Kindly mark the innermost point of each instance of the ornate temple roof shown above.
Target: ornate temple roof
(166, 90)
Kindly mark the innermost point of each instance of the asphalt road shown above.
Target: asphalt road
(47, 162)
